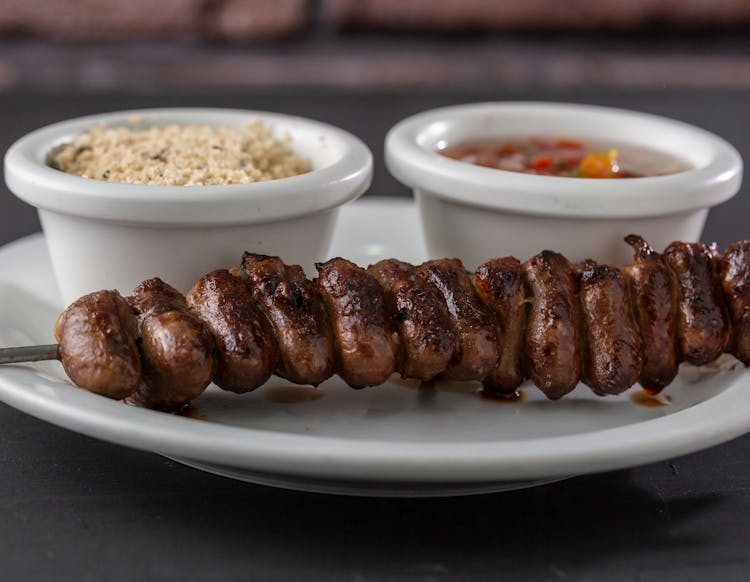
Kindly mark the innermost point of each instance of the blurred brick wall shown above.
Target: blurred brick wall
(84, 20)
(536, 14)
(239, 20)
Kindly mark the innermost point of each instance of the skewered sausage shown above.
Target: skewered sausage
(426, 337)
(477, 347)
(702, 322)
(176, 347)
(511, 320)
(364, 336)
(735, 281)
(293, 306)
(246, 351)
(500, 286)
(611, 346)
(97, 336)
(553, 345)
(653, 295)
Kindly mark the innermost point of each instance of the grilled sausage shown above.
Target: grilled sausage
(294, 308)
(176, 347)
(552, 352)
(735, 281)
(477, 346)
(500, 285)
(611, 344)
(702, 322)
(97, 336)
(246, 350)
(654, 297)
(366, 348)
(425, 333)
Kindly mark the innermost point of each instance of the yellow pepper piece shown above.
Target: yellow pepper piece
(599, 165)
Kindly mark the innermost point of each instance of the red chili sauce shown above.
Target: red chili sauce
(566, 157)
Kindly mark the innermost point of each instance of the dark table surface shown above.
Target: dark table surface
(73, 508)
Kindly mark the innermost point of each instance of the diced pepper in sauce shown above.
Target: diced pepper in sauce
(542, 163)
(597, 165)
(563, 156)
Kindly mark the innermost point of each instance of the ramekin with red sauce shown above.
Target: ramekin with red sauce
(513, 178)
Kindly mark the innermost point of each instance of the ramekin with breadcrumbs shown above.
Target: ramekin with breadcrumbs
(178, 192)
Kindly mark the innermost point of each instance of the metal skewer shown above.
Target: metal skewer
(29, 354)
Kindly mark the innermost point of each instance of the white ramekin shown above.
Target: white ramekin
(108, 235)
(475, 213)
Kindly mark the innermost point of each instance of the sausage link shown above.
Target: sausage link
(426, 337)
(477, 346)
(611, 344)
(500, 286)
(176, 348)
(246, 350)
(553, 345)
(291, 303)
(98, 349)
(735, 281)
(654, 299)
(366, 348)
(702, 322)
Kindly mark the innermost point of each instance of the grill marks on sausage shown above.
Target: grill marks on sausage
(477, 347)
(500, 286)
(246, 351)
(98, 344)
(735, 282)
(553, 345)
(702, 323)
(366, 348)
(292, 304)
(654, 300)
(176, 347)
(426, 337)
(611, 344)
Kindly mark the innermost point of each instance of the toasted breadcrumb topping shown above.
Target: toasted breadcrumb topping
(180, 155)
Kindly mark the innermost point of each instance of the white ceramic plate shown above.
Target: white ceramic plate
(393, 439)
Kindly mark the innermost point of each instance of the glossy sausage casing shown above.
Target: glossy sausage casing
(702, 322)
(246, 351)
(426, 338)
(176, 347)
(500, 285)
(97, 335)
(654, 298)
(735, 281)
(611, 344)
(293, 306)
(355, 304)
(477, 348)
(553, 345)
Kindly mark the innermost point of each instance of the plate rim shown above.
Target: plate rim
(720, 418)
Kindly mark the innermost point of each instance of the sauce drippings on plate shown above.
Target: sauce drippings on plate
(650, 399)
(566, 157)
